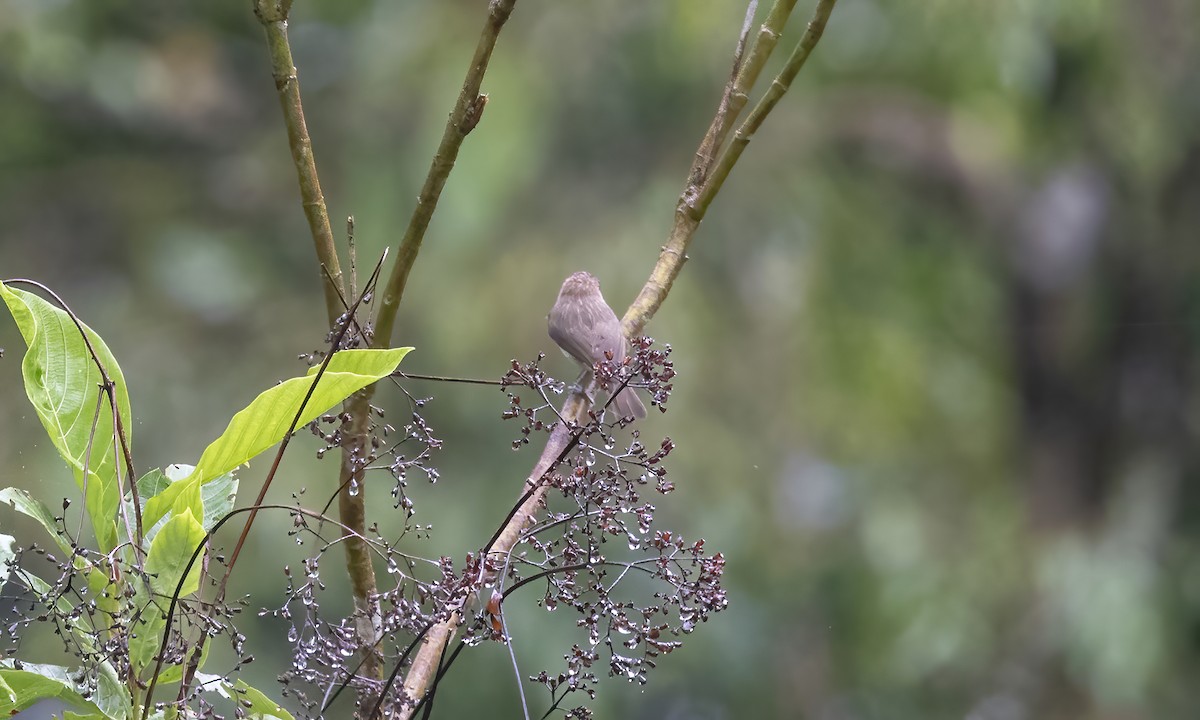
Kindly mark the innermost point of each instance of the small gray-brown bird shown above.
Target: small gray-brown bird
(586, 328)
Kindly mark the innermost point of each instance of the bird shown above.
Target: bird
(586, 329)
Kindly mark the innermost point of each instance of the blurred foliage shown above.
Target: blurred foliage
(937, 339)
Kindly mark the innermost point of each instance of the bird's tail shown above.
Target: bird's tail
(628, 404)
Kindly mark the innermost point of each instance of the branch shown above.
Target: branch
(273, 16)
(355, 444)
(688, 215)
(463, 119)
(781, 84)
(741, 80)
(425, 665)
(695, 199)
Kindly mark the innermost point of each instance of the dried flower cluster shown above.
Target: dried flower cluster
(108, 618)
(636, 589)
(603, 493)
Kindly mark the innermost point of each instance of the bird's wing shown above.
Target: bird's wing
(588, 320)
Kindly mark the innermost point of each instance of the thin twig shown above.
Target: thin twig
(237, 549)
(443, 378)
(283, 444)
(512, 655)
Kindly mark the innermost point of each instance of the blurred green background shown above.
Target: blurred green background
(937, 339)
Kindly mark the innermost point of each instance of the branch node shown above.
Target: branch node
(272, 11)
(473, 114)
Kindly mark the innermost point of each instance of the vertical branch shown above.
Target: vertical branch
(696, 198)
(352, 513)
(273, 15)
(463, 119)
(356, 441)
(746, 69)
(781, 84)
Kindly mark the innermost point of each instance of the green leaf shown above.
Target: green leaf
(218, 496)
(26, 688)
(151, 484)
(112, 697)
(62, 382)
(182, 492)
(145, 637)
(260, 707)
(266, 419)
(7, 542)
(26, 504)
(170, 552)
(38, 682)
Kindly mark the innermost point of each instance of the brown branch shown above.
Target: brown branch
(779, 86)
(425, 664)
(463, 119)
(696, 199)
(273, 16)
(687, 218)
(356, 442)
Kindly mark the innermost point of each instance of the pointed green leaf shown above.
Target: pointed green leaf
(35, 682)
(260, 707)
(26, 504)
(170, 553)
(63, 382)
(181, 482)
(218, 496)
(265, 420)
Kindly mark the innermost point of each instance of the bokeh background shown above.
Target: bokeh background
(937, 339)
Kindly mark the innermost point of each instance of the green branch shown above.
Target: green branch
(703, 186)
(463, 119)
(779, 86)
(744, 76)
(273, 16)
